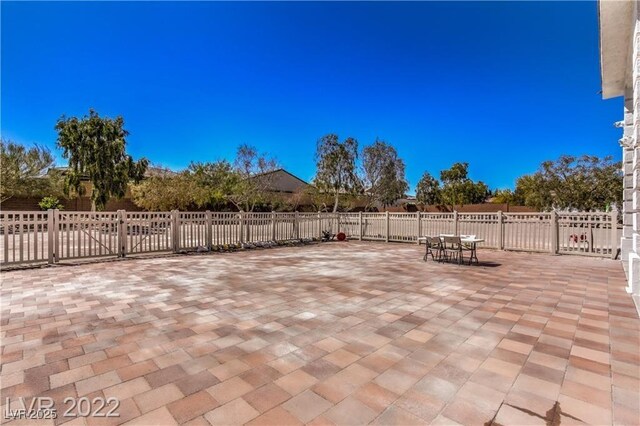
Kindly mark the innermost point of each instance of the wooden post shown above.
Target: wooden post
(338, 218)
(320, 225)
(419, 227)
(296, 226)
(241, 233)
(209, 231)
(175, 230)
(360, 225)
(122, 233)
(614, 233)
(455, 222)
(500, 231)
(50, 235)
(56, 235)
(386, 215)
(273, 226)
(554, 231)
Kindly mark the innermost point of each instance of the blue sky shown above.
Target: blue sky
(502, 86)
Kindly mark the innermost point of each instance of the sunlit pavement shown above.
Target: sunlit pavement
(342, 333)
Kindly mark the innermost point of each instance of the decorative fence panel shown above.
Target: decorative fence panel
(308, 226)
(374, 226)
(403, 227)
(482, 225)
(527, 231)
(25, 237)
(225, 228)
(52, 236)
(587, 234)
(148, 232)
(285, 226)
(432, 224)
(192, 230)
(86, 234)
(257, 227)
(350, 224)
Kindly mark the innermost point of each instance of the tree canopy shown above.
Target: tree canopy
(164, 191)
(212, 185)
(336, 167)
(383, 173)
(571, 183)
(252, 178)
(458, 188)
(27, 172)
(428, 190)
(96, 150)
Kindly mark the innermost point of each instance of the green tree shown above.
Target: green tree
(459, 189)
(428, 190)
(573, 183)
(27, 172)
(384, 173)
(96, 149)
(252, 180)
(164, 191)
(214, 183)
(507, 196)
(336, 167)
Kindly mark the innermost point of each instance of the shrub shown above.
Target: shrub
(50, 203)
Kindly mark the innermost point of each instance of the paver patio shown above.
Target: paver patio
(344, 333)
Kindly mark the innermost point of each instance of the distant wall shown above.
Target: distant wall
(465, 208)
(74, 204)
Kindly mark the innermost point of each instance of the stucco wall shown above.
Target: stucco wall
(631, 151)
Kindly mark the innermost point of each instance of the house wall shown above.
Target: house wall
(630, 142)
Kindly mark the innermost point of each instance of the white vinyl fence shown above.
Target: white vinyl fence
(52, 236)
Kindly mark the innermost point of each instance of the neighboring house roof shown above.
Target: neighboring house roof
(281, 180)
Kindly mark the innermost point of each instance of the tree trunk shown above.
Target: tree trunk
(335, 204)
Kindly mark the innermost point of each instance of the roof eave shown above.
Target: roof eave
(616, 25)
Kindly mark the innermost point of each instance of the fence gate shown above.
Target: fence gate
(85, 234)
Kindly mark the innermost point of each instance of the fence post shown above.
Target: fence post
(50, 237)
(320, 225)
(554, 231)
(455, 222)
(273, 226)
(175, 228)
(122, 234)
(419, 227)
(614, 233)
(360, 225)
(500, 231)
(338, 219)
(386, 236)
(209, 231)
(296, 226)
(241, 221)
(56, 235)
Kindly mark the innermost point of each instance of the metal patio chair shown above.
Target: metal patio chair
(434, 244)
(452, 248)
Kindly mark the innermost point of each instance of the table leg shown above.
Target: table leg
(473, 255)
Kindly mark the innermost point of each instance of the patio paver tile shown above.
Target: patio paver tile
(327, 334)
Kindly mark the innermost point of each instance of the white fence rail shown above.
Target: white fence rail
(52, 236)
